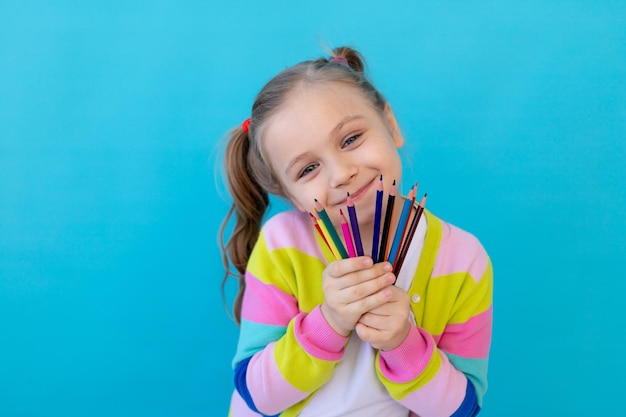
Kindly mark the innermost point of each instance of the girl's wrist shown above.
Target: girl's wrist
(335, 326)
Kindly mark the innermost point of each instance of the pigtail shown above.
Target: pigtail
(353, 58)
(250, 201)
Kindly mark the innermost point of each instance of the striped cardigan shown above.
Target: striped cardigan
(286, 349)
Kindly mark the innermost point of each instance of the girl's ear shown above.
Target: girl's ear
(394, 129)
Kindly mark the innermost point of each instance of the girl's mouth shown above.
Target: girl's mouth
(361, 192)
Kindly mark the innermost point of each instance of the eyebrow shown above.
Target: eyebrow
(332, 133)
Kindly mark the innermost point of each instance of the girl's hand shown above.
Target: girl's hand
(387, 325)
(353, 287)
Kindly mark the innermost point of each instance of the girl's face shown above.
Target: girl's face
(328, 140)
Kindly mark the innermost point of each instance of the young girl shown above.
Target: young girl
(326, 337)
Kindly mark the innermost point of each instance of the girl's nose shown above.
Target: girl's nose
(342, 172)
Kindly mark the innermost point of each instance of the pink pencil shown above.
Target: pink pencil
(346, 235)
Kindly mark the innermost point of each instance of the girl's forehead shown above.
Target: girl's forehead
(321, 103)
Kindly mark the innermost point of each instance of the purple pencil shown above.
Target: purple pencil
(377, 216)
(354, 223)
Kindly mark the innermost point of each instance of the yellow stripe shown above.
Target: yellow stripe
(292, 360)
(426, 263)
(291, 271)
(458, 298)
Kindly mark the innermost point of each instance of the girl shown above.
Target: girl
(325, 337)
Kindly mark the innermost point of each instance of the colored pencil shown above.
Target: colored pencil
(388, 214)
(377, 216)
(321, 233)
(354, 223)
(346, 235)
(401, 226)
(331, 229)
(409, 236)
(331, 244)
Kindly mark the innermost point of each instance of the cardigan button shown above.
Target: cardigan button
(415, 298)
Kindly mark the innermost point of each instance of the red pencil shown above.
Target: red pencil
(319, 231)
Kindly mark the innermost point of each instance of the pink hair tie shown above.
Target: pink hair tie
(246, 125)
(339, 60)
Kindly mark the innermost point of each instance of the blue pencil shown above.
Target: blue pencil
(401, 227)
(377, 216)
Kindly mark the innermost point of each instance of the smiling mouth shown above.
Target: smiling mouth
(360, 192)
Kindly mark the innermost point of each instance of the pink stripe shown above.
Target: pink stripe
(470, 339)
(408, 360)
(267, 304)
(294, 230)
(317, 338)
(239, 408)
(460, 252)
(270, 392)
(442, 395)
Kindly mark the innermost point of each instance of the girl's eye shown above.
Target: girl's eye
(350, 140)
(307, 170)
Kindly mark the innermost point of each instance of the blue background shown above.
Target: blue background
(112, 116)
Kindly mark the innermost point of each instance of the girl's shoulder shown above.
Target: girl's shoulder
(291, 228)
(457, 249)
(287, 221)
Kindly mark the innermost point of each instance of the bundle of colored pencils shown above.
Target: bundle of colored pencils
(384, 247)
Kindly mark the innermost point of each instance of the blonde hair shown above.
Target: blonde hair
(249, 176)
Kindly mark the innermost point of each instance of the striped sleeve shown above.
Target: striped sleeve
(441, 367)
(285, 350)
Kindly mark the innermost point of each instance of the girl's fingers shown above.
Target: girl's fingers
(365, 304)
(342, 267)
(353, 271)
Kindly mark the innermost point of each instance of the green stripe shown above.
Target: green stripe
(475, 369)
(254, 337)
